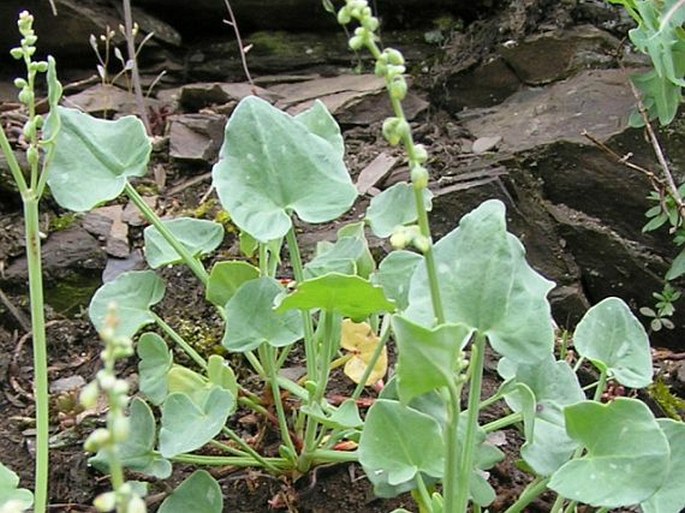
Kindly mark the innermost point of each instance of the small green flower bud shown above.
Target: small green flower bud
(136, 505)
(39, 121)
(398, 88)
(105, 502)
(394, 57)
(120, 387)
(106, 380)
(399, 238)
(381, 68)
(30, 50)
(419, 177)
(394, 130)
(370, 23)
(89, 395)
(30, 40)
(42, 66)
(121, 427)
(420, 153)
(395, 70)
(17, 53)
(344, 16)
(422, 243)
(32, 155)
(97, 440)
(356, 43)
(20, 83)
(26, 96)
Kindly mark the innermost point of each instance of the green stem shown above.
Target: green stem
(298, 273)
(40, 357)
(267, 356)
(187, 348)
(570, 507)
(451, 479)
(507, 421)
(469, 449)
(264, 462)
(323, 456)
(601, 385)
(558, 504)
(536, 488)
(426, 503)
(193, 263)
(228, 461)
(13, 164)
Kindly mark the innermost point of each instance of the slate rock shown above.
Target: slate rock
(196, 138)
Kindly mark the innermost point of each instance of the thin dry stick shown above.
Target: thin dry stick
(661, 158)
(18, 314)
(135, 75)
(234, 24)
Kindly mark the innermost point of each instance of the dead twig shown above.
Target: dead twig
(243, 50)
(23, 321)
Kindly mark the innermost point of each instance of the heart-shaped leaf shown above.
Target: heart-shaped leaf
(349, 255)
(94, 158)
(137, 452)
(359, 339)
(200, 493)
(395, 206)
(487, 285)
(220, 373)
(133, 293)
(188, 425)
(199, 236)
(251, 319)
(670, 498)
(271, 165)
(350, 296)
(554, 386)
(627, 457)
(320, 122)
(427, 357)
(344, 417)
(394, 275)
(611, 337)
(386, 443)
(226, 278)
(9, 491)
(155, 363)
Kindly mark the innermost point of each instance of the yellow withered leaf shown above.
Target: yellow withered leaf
(360, 340)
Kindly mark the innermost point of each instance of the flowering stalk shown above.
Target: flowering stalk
(123, 498)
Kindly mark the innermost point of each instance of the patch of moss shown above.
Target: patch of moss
(200, 337)
(61, 223)
(70, 295)
(672, 405)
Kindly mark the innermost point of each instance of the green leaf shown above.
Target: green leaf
(662, 98)
(9, 491)
(226, 278)
(133, 293)
(350, 296)
(486, 284)
(220, 373)
(155, 363)
(395, 206)
(427, 358)
(94, 158)
(251, 319)
(394, 274)
(320, 122)
(627, 454)
(272, 165)
(188, 425)
(200, 237)
(344, 417)
(137, 452)
(612, 338)
(677, 267)
(387, 444)
(200, 493)
(554, 386)
(670, 498)
(349, 255)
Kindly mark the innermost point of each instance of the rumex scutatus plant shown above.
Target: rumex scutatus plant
(441, 303)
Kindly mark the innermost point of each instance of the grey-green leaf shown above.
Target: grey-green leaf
(200, 493)
(188, 425)
(389, 442)
(320, 122)
(133, 293)
(138, 451)
(251, 319)
(677, 268)
(154, 365)
(272, 165)
(226, 278)
(10, 491)
(627, 457)
(611, 336)
(199, 236)
(486, 284)
(427, 357)
(94, 158)
(395, 206)
(394, 274)
(670, 498)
